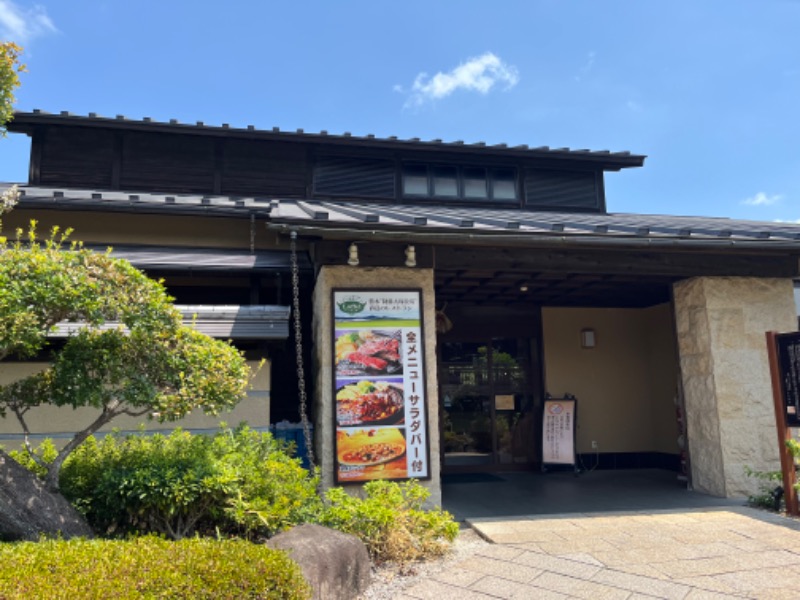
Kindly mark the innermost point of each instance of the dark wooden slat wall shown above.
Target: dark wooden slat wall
(77, 157)
(360, 177)
(167, 163)
(91, 158)
(562, 189)
(264, 169)
(97, 158)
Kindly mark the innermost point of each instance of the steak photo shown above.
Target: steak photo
(368, 352)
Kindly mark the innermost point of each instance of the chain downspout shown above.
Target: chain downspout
(298, 342)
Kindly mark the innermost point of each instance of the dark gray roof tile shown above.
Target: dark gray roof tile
(431, 218)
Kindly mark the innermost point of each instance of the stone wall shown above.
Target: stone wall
(382, 278)
(721, 322)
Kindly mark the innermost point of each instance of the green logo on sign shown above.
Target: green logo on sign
(351, 307)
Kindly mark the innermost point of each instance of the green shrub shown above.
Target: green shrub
(275, 492)
(764, 497)
(391, 522)
(235, 482)
(147, 567)
(770, 482)
(45, 453)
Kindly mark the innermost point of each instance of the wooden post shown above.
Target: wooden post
(784, 433)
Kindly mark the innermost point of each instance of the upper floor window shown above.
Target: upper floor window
(459, 183)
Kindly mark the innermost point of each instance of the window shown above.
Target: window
(504, 184)
(415, 180)
(445, 182)
(460, 183)
(475, 184)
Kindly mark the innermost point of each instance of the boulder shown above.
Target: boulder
(335, 564)
(28, 510)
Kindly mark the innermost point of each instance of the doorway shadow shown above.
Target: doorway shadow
(482, 495)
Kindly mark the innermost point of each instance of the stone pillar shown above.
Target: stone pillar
(730, 417)
(376, 278)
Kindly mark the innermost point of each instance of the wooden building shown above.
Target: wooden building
(516, 281)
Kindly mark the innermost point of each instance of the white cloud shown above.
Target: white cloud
(634, 106)
(22, 25)
(479, 74)
(584, 70)
(789, 221)
(762, 199)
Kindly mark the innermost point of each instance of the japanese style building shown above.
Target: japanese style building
(445, 290)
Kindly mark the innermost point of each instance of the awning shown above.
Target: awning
(205, 259)
(258, 322)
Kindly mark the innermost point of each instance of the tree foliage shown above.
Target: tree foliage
(10, 68)
(143, 363)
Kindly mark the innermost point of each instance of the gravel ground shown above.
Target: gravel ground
(388, 581)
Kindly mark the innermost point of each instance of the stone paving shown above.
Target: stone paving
(729, 552)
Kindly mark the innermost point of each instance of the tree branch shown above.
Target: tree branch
(20, 414)
(135, 413)
(54, 469)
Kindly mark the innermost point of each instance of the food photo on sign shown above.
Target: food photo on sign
(365, 454)
(368, 352)
(369, 402)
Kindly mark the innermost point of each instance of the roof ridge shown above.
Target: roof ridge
(456, 145)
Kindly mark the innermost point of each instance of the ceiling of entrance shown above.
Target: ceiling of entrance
(509, 288)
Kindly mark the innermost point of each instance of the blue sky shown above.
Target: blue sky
(710, 90)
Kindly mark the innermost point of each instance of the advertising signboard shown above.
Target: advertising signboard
(379, 385)
(788, 346)
(558, 431)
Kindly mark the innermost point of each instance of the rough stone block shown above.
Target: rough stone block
(721, 323)
(335, 564)
(28, 509)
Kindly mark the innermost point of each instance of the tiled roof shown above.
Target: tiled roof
(65, 198)
(613, 160)
(464, 221)
(435, 220)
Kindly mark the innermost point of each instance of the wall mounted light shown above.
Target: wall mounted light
(588, 338)
(523, 287)
(352, 255)
(411, 256)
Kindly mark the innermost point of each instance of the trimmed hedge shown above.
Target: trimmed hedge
(147, 567)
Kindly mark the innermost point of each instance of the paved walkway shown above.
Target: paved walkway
(728, 552)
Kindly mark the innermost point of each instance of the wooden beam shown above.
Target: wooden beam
(219, 164)
(784, 433)
(634, 262)
(116, 162)
(35, 167)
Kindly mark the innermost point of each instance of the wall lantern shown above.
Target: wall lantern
(352, 255)
(411, 256)
(588, 338)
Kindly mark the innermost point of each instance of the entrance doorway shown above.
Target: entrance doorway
(487, 399)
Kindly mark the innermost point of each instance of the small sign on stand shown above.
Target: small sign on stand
(558, 432)
(784, 364)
